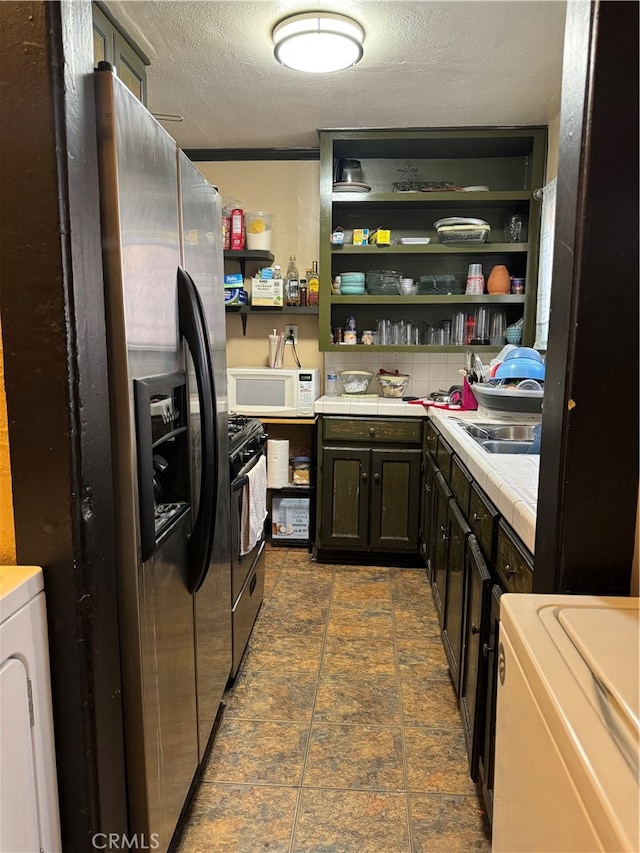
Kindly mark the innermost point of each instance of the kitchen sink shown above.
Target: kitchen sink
(493, 446)
(502, 438)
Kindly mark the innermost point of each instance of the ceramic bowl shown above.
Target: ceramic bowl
(393, 386)
(356, 381)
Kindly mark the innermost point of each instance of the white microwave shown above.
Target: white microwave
(272, 392)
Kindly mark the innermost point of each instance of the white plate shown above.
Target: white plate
(415, 241)
(479, 189)
(352, 187)
(458, 220)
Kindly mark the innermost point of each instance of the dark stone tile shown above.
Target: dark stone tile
(239, 819)
(368, 622)
(361, 757)
(288, 653)
(351, 822)
(356, 657)
(364, 587)
(409, 584)
(430, 702)
(437, 762)
(422, 657)
(442, 824)
(371, 701)
(258, 752)
(414, 620)
(272, 696)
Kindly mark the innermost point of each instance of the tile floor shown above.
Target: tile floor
(342, 732)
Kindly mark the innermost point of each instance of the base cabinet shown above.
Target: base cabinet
(486, 762)
(474, 664)
(455, 591)
(369, 473)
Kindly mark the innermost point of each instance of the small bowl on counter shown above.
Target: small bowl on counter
(393, 385)
(355, 381)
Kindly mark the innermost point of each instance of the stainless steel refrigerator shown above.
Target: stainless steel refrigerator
(163, 267)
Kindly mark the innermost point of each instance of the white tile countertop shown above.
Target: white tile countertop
(509, 480)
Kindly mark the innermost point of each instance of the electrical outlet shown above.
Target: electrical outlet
(291, 332)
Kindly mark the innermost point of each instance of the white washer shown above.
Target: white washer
(568, 727)
(29, 816)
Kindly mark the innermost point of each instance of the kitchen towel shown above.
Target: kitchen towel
(277, 463)
(254, 506)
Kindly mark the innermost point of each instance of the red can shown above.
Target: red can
(237, 228)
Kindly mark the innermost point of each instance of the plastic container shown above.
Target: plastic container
(331, 384)
(301, 470)
(258, 229)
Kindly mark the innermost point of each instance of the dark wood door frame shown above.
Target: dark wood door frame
(588, 489)
(54, 347)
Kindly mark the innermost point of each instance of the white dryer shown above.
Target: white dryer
(29, 815)
(568, 725)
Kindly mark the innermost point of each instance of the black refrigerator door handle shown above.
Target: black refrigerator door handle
(193, 327)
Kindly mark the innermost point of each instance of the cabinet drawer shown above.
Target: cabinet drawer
(443, 457)
(514, 563)
(431, 438)
(461, 483)
(483, 518)
(372, 430)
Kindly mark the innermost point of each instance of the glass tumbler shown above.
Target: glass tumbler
(515, 228)
(458, 333)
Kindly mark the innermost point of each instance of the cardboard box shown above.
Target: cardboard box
(235, 296)
(360, 236)
(290, 518)
(267, 292)
(234, 279)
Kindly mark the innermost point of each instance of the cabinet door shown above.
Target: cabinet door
(486, 763)
(440, 543)
(345, 498)
(453, 620)
(474, 665)
(395, 503)
(110, 44)
(428, 506)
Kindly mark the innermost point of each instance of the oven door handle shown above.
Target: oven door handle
(242, 480)
(193, 327)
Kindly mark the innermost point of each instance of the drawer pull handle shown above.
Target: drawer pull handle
(376, 478)
(475, 629)
(365, 477)
(510, 572)
(372, 431)
(487, 650)
(477, 517)
(443, 531)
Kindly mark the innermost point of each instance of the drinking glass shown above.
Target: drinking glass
(458, 329)
(497, 328)
(515, 228)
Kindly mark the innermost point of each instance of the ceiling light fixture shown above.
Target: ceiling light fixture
(318, 42)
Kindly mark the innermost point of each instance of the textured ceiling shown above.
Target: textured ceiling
(426, 64)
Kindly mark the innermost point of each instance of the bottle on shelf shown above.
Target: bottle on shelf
(292, 282)
(313, 284)
(303, 293)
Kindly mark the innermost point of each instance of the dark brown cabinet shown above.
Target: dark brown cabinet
(110, 44)
(486, 759)
(440, 544)
(474, 663)
(369, 474)
(453, 618)
(428, 510)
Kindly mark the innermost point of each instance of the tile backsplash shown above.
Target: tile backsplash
(428, 371)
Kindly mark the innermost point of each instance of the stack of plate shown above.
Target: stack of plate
(462, 229)
(350, 187)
